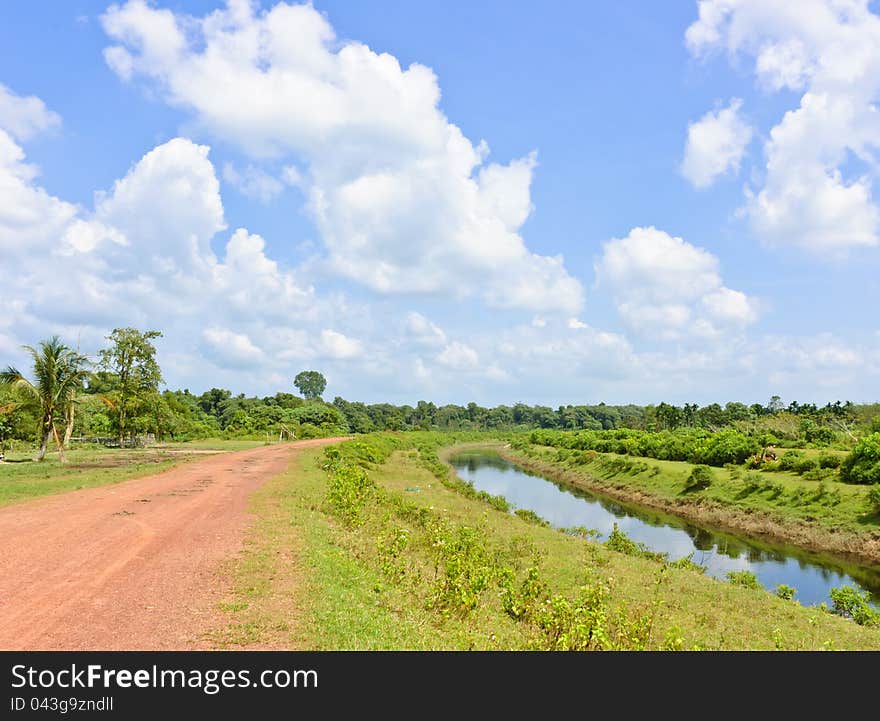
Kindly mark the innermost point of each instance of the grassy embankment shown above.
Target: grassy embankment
(821, 515)
(405, 557)
(21, 478)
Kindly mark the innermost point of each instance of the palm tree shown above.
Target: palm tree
(59, 372)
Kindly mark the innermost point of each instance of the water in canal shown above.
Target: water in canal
(813, 575)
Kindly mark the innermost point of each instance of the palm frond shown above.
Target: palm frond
(13, 378)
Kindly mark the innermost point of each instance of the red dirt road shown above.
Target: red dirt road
(130, 566)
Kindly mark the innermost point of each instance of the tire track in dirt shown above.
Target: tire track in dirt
(130, 566)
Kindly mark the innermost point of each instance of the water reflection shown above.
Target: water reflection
(812, 574)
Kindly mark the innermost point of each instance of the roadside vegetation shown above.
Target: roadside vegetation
(386, 549)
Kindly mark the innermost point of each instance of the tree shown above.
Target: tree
(862, 465)
(59, 372)
(134, 373)
(310, 383)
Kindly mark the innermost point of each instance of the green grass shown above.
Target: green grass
(21, 478)
(816, 514)
(308, 581)
(215, 444)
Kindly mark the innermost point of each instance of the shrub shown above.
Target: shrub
(464, 568)
(308, 430)
(348, 491)
(620, 542)
(529, 516)
(743, 578)
(687, 563)
(820, 474)
(850, 603)
(862, 465)
(874, 499)
(785, 592)
(819, 435)
(829, 460)
(699, 479)
(805, 466)
(727, 447)
(790, 459)
(520, 603)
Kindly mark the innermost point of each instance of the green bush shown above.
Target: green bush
(829, 460)
(850, 603)
(699, 479)
(862, 465)
(530, 516)
(348, 491)
(874, 499)
(620, 542)
(790, 459)
(785, 592)
(464, 567)
(805, 466)
(743, 578)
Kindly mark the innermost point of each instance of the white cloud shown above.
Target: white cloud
(666, 288)
(337, 345)
(169, 206)
(715, 145)
(403, 201)
(30, 219)
(143, 257)
(810, 195)
(576, 324)
(255, 183)
(423, 332)
(23, 118)
(235, 349)
(459, 356)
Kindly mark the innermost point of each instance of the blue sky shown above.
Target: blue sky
(673, 202)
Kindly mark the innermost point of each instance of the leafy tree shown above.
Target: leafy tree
(862, 465)
(310, 383)
(134, 373)
(210, 401)
(321, 415)
(59, 372)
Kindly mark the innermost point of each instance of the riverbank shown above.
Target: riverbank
(726, 508)
(394, 558)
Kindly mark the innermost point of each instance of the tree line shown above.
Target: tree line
(65, 394)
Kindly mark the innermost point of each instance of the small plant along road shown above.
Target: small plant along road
(131, 566)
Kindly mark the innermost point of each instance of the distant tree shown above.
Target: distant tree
(210, 401)
(775, 404)
(133, 373)
(59, 372)
(310, 383)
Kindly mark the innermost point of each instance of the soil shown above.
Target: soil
(131, 566)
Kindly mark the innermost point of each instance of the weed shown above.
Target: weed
(743, 578)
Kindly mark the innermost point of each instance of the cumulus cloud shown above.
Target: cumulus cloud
(231, 348)
(143, 257)
(254, 182)
(715, 145)
(403, 201)
(666, 288)
(338, 345)
(812, 195)
(25, 117)
(29, 216)
(459, 356)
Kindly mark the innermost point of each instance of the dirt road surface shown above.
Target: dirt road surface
(130, 566)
